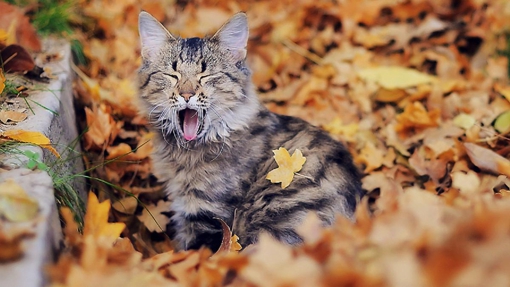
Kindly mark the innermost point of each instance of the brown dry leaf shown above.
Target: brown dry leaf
(229, 241)
(153, 218)
(287, 166)
(126, 205)
(10, 117)
(31, 137)
(15, 204)
(487, 160)
(26, 35)
(102, 128)
(371, 156)
(11, 242)
(16, 59)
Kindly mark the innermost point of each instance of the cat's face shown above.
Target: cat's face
(192, 89)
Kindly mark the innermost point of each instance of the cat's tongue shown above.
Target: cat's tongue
(190, 125)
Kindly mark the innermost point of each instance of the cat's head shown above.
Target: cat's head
(196, 89)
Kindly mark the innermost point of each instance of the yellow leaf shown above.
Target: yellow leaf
(36, 138)
(502, 123)
(96, 220)
(338, 128)
(394, 77)
(2, 81)
(464, 121)
(287, 166)
(15, 204)
(235, 246)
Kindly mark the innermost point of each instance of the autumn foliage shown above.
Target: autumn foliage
(419, 92)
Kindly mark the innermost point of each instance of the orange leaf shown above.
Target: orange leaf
(96, 220)
(416, 116)
(287, 166)
(2, 81)
(36, 138)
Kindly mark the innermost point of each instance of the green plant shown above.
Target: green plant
(65, 192)
(53, 17)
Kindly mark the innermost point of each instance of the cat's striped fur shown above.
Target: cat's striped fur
(216, 166)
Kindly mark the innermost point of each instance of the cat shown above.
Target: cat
(214, 139)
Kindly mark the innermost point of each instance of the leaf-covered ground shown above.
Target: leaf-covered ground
(419, 92)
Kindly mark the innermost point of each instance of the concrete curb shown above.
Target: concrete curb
(53, 115)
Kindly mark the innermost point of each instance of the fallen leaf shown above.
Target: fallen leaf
(235, 245)
(487, 160)
(464, 121)
(287, 166)
(503, 90)
(16, 59)
(348, 131)
(15, 204)
(102, 128)
(390, 96)
(11, 242)
(226, 242)
(394, 77)
(2, 80)
(502, 123)
(416, 116)
(371, 156)
(96, 220)
(31, 137)
(153, 218)
(9, 117)
(25, 33)
(126, 205)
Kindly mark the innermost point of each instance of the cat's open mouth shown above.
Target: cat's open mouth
(190, 123)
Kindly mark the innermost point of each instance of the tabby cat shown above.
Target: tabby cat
(214, 141)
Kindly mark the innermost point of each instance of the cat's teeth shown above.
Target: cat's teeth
(190, 124)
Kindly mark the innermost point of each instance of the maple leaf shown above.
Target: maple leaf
(287, 166)
(96, 220)
(153, 216)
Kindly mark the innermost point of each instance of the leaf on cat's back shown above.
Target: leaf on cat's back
(287, 166)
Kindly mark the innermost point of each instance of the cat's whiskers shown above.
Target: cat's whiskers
(159, 105)
(213, 109)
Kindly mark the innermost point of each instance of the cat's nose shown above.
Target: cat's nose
(187, 96)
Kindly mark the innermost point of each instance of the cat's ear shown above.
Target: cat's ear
(153, 35)
(234, 35)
